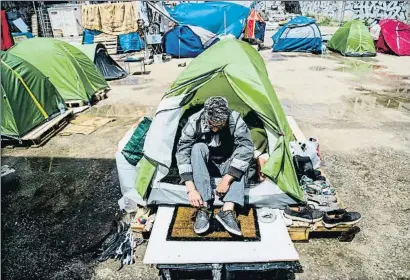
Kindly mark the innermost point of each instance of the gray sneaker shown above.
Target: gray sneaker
(321, 199)
(228, 221)
(201, 225)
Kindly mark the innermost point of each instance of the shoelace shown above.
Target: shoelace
(233, 214)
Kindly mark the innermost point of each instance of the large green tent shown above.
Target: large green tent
(28, 97)
(69, 69)
(353, 39)
(235, 70)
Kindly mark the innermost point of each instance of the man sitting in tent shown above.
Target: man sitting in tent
(216, 139)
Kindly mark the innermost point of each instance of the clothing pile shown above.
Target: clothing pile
(320, 197)
(120, 245)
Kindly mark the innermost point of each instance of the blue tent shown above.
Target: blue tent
(208, 21)
(181, 41)
(301, 34)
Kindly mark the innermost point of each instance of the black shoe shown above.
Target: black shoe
(229, 222)
(201, 225)
(340, 217)
(304, 214)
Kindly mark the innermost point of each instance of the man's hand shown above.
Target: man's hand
(224, 185)
(194, 196)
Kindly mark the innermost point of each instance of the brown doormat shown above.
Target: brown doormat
(181, 228)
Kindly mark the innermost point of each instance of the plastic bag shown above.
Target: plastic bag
(310, 149)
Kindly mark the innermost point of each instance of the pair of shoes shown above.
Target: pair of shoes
(226, 218)
(304, 214)
(340, 217)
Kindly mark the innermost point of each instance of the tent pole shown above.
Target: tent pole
(342, 16)
(225, 22)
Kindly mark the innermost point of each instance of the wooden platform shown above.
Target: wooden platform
(109, 41)
(41, 134)
(303, 231)
(100, 95)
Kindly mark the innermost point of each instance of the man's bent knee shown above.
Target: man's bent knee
(201, 148)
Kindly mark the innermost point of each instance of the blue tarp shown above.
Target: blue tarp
(301, 34)
(131, 42)
(88, 36)
(127, 42)
(210, 16)
(181, 41)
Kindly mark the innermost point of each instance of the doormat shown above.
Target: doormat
(181, 227)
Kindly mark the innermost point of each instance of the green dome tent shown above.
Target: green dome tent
(28, 97)
(73, 74)
(353, 39)
(104, 62)
(235, 70)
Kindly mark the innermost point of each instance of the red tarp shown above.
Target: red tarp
(394, 37)
(251, 24)
(6, 38)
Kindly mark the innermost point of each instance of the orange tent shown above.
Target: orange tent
(255, 26)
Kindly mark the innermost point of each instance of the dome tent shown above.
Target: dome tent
(353, 39)
(104, 62)
(394, 37)
(181, 41)
(301, 34)
(235, 70)
(28, 97)
(73, 74)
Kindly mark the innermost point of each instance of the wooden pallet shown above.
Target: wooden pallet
(75, 103)
(109, 41)
(41, 134)
(100, 95)
(302, 231)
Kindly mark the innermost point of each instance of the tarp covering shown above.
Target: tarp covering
(394, 37)
(6, 38)
(114, 18)
(210, 21)
(255, 26)
(210, 16)
(73, 74)
(181, 41)
(28, 97)
(353, 39)
(104, 62)
(131, 42)
(235, 70)
(301, 34)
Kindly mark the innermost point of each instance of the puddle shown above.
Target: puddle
(358, 67)
(372, 100)
(275, 57)
(130, 80)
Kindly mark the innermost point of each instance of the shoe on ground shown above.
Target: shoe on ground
(201, 225)
(304, 214)
(324, 206)
(320, 199)
(229, 221)
(340, 217)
